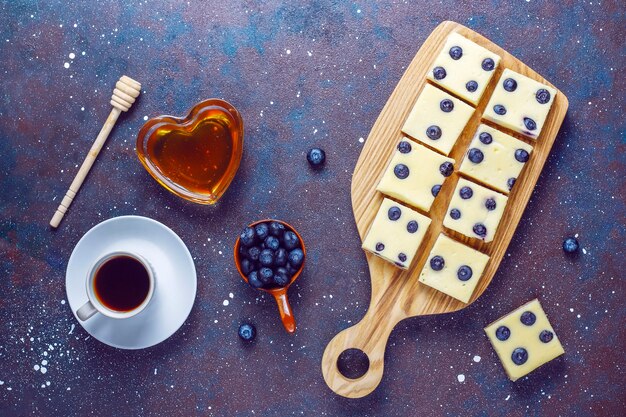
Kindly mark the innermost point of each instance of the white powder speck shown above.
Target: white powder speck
(9, 389)
(71, 329)
(72, 55)
(36, 367)
(155, 371)
(507, 397)
(45, 353)
(476, 358)
(215, 321)
(48, 383)
(1, 382)
(66, 65)
(75, 25)
(361, 140)
(231, 295)
(82, 109)
(460, 377)
(584, 251)
(68, 388)
(83, 53)
(44, 362)
(145, 118)
(43, 369)
(288, 51)
(226, 302)
(63, 302)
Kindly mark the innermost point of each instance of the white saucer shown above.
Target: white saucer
(175, 289)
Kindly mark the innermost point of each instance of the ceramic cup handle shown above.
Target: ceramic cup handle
(86, 311)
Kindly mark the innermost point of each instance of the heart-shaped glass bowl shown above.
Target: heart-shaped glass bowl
(195, 157)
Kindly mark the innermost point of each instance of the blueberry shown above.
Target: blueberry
(455, 214)
(291, 270)
(528, 318)
(490, 204)
(510, 84)
(412, 226)
(546, 336)
(510, 183)
(394, 213)
(433, 132)
(296, 257)
(316, 157)
(530, 123)
(480, 229)
(246, 266)
(265, 275)
(456, 52)
(464, 273)
(247, 237)
(471, 86)
(466, 193)
(281, 277)
(570, 245)
(380, 247)
(519, 356)
(542, 96)
(404, 147)
(253, 280)
(253, 253)
(262, 230)
(266, 257)
(446, 105)
(437, 263)
(401, 171)
(488, 64)
(485, 138)
(439, 73)
(499, 109)
(521, 155)
(247, 332)
(280, 257)
(290, 240)
(272, 242)
(277, 229)
(402, 257)
(435, 190)
(475, 155)
(503, 333)
(446, 169)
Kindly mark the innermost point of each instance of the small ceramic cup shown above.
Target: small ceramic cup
(94, 305)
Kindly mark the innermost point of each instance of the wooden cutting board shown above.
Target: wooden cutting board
(397, 294)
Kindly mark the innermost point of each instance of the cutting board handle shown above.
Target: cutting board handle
(370, 336)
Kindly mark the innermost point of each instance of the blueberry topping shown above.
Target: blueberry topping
(437, 263)
(546, 336)
(542, 96)
(316, 157)
(246, 266)
(466, 193)
(456, 52)
(439, 73)
(412, 226)
(380, 247)
(277, 229)
(290, 240)
(266, 258)
(394, 213)
(433, 132)
(435, 190)
(510, 183)
(485, 138)
(446, 105)
(490, 204)
(272, 242)
(404, 147)
(262, 230)
(503, 333)
(471, 86)
(570, 245)
(519, 356)
(521, 155)
(281, 277)
(247, 237)
(475, 155)
(401, 171)
(488, 64)
(499, 109)
(455, 214)
(247, 332)
(296, 257)
(464, 273)
(265, 275)
(530, 123)
(253, 280)
(528, 318)
(480, 229)
(280, 257)
(446, 168)
(253, 253)
(402, 257)
(510, 84)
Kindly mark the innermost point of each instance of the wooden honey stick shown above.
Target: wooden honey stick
(124, 95)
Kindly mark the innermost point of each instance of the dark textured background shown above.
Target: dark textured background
(302, 74)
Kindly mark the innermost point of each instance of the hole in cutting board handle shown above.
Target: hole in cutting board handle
(353, 363)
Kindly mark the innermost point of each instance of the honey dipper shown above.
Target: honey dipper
(124, 95)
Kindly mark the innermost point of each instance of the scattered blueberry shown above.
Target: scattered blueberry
(277, 229)
(290, 240)
(471, 86)
(480, 229)
(485, 138)
(265, 275)
(464, 273)
(247, 236)
(519, 356)
(253, 280)
(528, 318)
(542, 96)
(412, 226)
(316, 157)
(394, 213)
(455, 214)
(433, 132)
(499, 109)
(404, 147)
(380, 247)
(503, 333)
(521, 155)
(546, 336)
(530, 123)
(490, 204)
(439, 73)
(570, 245)
(280, 257)
(510, 84)
(435, 190)
(266, 257)
(446, 105)
(247, 332)
(296, 257)
(281, 277)
(437, 263)
(401, 171)
(272, 242)
(446, 168)
(262, 230)
(402, 257)
(466, 193)
(253, 253)
(488, 64)
(456, 52)
(246, 266)
(510, 183)
(475, 155)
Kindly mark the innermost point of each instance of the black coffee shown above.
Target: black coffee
(122, 283)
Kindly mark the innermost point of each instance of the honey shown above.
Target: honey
(195, 157)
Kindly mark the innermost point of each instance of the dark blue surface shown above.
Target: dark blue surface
(302, 74)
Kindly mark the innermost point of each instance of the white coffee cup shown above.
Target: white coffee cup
(94, 305)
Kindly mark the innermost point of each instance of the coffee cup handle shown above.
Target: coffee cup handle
(86, 311)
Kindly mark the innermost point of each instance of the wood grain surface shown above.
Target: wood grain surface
(397, 294)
